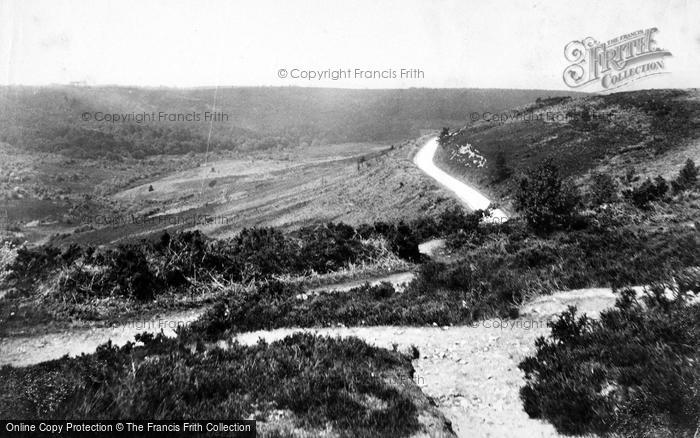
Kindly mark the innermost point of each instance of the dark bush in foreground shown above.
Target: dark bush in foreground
(634, 373)
(344, 383)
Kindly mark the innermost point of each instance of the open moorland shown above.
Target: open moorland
(608, 210)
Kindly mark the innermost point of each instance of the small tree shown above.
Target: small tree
(603, 189)
(544, 199)
(687, 177)
(150, 188)
(443, 135)
(501, 169)
(649, 191)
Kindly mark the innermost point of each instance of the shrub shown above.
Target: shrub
(8, 254)
(501, 170)
(632, 373)
(603, 189)
(455, 219)
(129, 270)
(444, 135)
(689, 280)
(344, 384)
(144, 269)
(649, 191)
(544, 199)
(403, 240)
(442, 294)
(687, 177)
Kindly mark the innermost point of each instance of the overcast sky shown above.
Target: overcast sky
(461, 43)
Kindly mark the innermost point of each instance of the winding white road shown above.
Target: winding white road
(470, 196)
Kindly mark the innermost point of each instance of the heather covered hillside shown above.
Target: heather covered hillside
(49, 119)
(634, 134)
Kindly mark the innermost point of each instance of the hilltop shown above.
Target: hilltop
(50, 119)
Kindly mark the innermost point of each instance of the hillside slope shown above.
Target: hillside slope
(375, 183)
(650, 131)
(51, 119)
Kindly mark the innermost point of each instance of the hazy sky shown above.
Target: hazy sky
(461, 43)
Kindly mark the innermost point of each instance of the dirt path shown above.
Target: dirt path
(470, 196)
(397, 280)
(21, 351)
(471, 371)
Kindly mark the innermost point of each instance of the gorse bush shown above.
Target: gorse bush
(603, 189)
(688, 279)
(544, 199)
(633, 373)
(8, 254)
(687, 177)
(505, 266)
(144, 269)
(649, 191)
(509, 260)
(489, 280)
(439, 296)
(402, 239)
(501, 171)
(130, 272)
(343, 383)
(444, 135)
